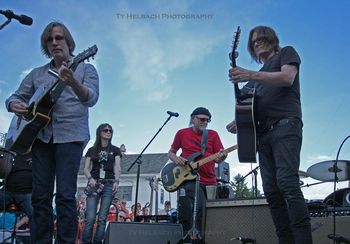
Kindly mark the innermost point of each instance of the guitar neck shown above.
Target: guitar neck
(59, 85)
(210, 158)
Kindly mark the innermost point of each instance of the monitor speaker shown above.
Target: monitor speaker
(146, 233)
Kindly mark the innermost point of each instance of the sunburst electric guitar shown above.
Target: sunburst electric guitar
(23, 130)
(174, 175)
(244, 114)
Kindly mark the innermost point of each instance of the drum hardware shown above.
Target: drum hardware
(332, 171)
(326, 170)
(302, 174)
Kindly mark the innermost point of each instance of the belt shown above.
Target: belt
(265, 127)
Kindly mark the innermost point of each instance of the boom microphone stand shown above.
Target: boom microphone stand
(255, 172)
(139, 162)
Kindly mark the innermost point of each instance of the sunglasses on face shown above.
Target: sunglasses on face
(57, 38)
(203, 119)
(107, 130)
(259, 40)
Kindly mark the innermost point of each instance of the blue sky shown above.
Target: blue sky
(150, 62)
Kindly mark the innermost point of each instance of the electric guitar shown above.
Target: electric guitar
(23, 130)
(174, 175)
(244, 114)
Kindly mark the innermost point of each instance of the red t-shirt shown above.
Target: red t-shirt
(190, 142)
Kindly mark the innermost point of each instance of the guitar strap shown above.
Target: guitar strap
(204, 141)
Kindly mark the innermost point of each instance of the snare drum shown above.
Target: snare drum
(6, 161)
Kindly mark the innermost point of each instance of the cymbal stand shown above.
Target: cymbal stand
(337, 239)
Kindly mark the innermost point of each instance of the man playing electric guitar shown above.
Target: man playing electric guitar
(190, 140)
(57, 151)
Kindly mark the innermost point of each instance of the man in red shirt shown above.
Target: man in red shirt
(191, 141)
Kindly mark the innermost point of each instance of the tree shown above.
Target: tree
(241, 189)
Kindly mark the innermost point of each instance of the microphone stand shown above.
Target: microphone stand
(337, 238)
(5, 23)
(139, 162)
(255, 172)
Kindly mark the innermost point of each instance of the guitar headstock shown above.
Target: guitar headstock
(88, 53)
(234, 53)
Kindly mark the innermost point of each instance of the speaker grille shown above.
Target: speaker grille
(227, 219)
(145, 233)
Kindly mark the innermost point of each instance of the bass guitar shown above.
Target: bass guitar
(24, 129)
(173, 175)
(244, 114)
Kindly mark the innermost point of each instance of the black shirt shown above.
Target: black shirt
(273, 103)
(20, 178)
(103, 160)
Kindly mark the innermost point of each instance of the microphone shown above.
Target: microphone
(173, 114)
(244, 240)
(23, 19)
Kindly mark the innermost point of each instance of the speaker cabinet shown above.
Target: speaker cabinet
(227, 219)
(251, 218)
(145, 233)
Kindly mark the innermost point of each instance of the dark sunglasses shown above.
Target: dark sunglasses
(259, 40)
(57, 38)
(107, 130)
(203, 119)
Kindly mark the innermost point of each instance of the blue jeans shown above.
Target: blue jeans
(50, 161)
(106, 197)
(279, 159)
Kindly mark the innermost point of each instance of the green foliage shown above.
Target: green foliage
(241, 189)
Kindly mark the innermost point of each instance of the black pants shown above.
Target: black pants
(279, 152)
(186, 204)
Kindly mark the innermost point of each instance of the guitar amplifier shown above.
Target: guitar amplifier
(251, 218)
(228, 219)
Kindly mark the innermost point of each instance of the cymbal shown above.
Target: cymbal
(324, 171)
(302, 174)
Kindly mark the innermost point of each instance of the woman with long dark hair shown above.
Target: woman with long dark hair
(102, 168)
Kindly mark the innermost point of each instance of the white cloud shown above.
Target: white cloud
(152, 50)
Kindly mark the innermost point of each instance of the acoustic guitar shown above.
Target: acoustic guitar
(23, 130)
(173, 175)
(244, 114)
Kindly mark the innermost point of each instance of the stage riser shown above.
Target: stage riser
(228, 219)
(145, 233)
